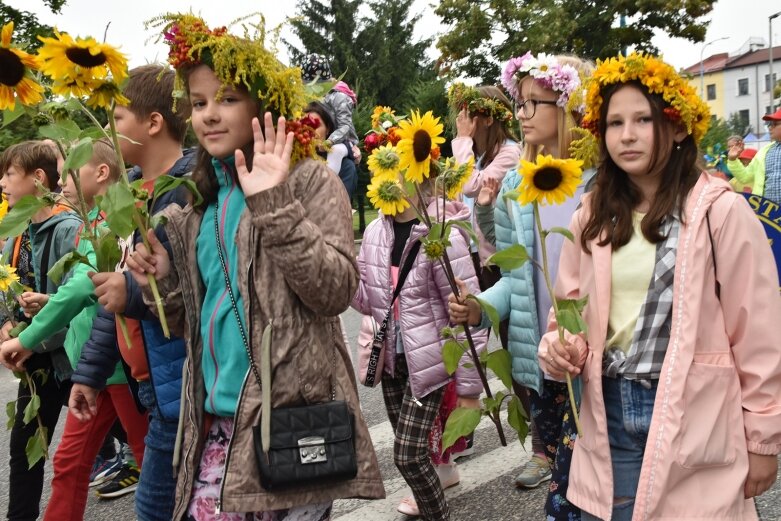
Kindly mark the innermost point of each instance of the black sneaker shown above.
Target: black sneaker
(123, 483)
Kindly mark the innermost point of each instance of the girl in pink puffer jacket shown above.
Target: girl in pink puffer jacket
(414, 377)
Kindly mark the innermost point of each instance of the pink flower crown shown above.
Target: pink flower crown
(547, 70)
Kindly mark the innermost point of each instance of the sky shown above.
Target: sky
(736, 19)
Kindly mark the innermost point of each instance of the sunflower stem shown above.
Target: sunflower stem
(117, 150)
(546, 274)
(94, 120)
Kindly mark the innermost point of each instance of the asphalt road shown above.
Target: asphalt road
(486, 491)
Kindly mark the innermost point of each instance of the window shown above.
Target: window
(711, 91)
(744, 118)
(743, 87)
(767, 81)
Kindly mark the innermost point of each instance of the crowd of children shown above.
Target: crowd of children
(254, 275)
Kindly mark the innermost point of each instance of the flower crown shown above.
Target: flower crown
(685, 106)
(546, 69)
(461, 96)
(235, 61)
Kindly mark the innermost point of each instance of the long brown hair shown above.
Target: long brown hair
(496, 133)
(614, 196)
(204, 176)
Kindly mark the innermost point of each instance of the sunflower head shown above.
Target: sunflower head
(549, 180)
(243, 61)
(434, 249)
(419, 136)
(384, 161)
(454, 175)
(387, 194)
(16, 79)
(82, 65)
(7, 276)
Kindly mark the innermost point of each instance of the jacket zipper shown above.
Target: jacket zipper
(243, 385)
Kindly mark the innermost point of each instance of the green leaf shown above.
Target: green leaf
(118, 204)
(78, 155)
(570, 315)
(9, 116)
(494, 403)
(493, 315)
(18, 218)
(42, 374)
(467, 227)
(512, 194)
(510, 258)
(563, 231)
(63, 266)
(166, 183)
(517, 418)
(157, 221)
(108, 254)
(93, 132)
(36, 447)
(17, 329)
(461, 422)
(32, 408)
(451, 355)
(10, 411)
(451, 332)
(500, 363)
(64, 131)
(435, 233)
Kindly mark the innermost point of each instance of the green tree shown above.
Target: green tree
(717, 134)
(328, 28)
(737, 125)
(27, 28)
(485, 32)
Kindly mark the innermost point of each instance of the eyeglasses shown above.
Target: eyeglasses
(772, 124)
(529, 107)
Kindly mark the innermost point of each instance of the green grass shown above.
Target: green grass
(370, 214)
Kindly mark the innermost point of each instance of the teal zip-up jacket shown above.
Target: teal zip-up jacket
(520, 294)
(59, 231)
(74, 306)
(225, 361)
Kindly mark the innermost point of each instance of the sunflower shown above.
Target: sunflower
(104, 94)
(384, 161)
(7, 276)
(419, 136)
(80, 66)
(387, 194)
(3, 207)
(455, 176)
(381, 114)
(549, 180)
(16, 68)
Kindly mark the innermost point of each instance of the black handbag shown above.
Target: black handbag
(296, 445)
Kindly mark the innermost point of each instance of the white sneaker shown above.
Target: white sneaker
(448, 475)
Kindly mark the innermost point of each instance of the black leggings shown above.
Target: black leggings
(26, 484)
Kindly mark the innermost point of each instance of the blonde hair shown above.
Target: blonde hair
(565, 120)
(103, 154)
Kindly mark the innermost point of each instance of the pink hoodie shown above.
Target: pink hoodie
(719, 395)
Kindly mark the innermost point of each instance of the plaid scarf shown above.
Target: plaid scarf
(652, 331)
(773, 173)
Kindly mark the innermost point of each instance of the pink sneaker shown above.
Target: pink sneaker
(408, 506)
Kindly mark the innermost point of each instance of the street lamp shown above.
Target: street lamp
(770, 81)
(702, 66)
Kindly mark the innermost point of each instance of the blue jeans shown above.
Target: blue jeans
(629, 407)
(157, 485)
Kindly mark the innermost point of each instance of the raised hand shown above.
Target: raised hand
(488, 192)
(142, 262)
(734, 151)
(465, 126)
(270, 159)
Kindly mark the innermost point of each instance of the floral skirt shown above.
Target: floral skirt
(208, 481)
(449, 404)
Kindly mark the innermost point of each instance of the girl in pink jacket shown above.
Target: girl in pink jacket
(681, 407)
(414, 377)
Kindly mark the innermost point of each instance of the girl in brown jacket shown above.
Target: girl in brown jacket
(268, 251)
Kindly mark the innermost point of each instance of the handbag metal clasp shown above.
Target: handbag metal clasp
(312, 450)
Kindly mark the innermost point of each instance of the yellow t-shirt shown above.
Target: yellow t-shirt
(632, 269)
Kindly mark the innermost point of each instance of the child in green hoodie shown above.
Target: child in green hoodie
(75, 303)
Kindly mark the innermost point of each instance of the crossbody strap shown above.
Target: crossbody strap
(230, 294)
(713, 253)
(405, 269)
(44, 276)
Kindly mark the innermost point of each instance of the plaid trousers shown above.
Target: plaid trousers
(412, 424)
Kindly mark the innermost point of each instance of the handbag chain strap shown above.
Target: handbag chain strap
(238, 317)
(230, 294)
